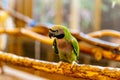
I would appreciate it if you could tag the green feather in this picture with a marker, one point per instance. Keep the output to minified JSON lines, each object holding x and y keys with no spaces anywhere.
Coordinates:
{"x":75,"y":46}
{"x":73,"y":40}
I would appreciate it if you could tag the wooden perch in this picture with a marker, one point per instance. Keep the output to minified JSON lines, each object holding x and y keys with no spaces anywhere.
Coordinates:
{"x":28,"y":33}
{"x":103,"y":33}
{"x":18,"y":15}
{"x":36,"y":36}
{"x":79,"y":71}
{"x":98,"y":52}
{"x":41,"y":29}
{"x":97,"y":42}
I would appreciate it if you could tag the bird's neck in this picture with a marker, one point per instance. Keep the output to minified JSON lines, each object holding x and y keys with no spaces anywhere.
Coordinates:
{"x":68,"y":37}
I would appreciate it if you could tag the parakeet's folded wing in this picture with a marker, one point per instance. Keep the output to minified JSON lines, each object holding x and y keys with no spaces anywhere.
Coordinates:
{"x":55,"y":46}
{"x":75,"y":46}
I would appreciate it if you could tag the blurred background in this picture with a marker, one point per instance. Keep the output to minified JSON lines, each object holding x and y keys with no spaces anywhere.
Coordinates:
{"x":78,"y":15}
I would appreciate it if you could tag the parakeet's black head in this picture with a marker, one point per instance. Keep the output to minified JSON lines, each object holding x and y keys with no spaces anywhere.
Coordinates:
{"x":58,"y":31}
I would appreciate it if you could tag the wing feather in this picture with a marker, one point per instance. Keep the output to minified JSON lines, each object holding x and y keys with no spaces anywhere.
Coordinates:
{"x":55,"y":46}
{"x":75,"y":46}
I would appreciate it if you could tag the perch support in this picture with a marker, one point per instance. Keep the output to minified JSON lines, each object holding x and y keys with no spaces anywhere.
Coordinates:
{"x":79,"y":71}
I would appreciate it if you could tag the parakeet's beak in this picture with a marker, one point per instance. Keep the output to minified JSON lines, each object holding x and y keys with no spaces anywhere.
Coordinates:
{"x":51,"y":33}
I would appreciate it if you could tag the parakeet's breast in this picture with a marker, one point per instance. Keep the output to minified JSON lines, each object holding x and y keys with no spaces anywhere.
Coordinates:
{"x":66,"y":52}
{"x":64,"y":46}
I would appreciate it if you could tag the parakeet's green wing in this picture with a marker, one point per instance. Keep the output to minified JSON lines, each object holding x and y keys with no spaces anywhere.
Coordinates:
{"x":75,"y":46}
{"x":55,"y":46}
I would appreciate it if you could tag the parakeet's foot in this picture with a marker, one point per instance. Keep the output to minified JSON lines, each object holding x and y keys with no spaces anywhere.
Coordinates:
{"x":73,"y":64}
{"x":59,"y":64}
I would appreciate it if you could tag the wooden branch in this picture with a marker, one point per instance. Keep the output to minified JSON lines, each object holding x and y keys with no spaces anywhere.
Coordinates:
{"x":103,"y":33}
{"x":41,"y":29}
{"x":17,"y":15}
{"x":97,"y":42}
{"x":28,"y":33}
{"x":10,"y":74}
{"x":36,"y":36}
{"x":98,"y":52}
{"x":79,"y":71}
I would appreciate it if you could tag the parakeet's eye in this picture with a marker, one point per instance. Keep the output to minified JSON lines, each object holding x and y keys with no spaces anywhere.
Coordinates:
{"x":52,"y":30}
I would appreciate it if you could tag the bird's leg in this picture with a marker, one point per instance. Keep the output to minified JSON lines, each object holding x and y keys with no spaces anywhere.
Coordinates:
{"x":73,"y":63}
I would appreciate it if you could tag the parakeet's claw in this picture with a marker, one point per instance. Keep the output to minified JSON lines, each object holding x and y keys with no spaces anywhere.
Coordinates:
{"x":73,"y":64}
{"x":59,"y":64}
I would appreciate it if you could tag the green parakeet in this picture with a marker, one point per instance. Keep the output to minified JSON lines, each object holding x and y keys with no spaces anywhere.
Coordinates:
{"x":65,"y":45}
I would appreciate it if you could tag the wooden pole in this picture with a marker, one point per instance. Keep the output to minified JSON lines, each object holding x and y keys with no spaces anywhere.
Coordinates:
{"x":74,"y":15}
{"x":58,"y":10}
{"x":97,"y":15}
{"x":28,"y":8}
